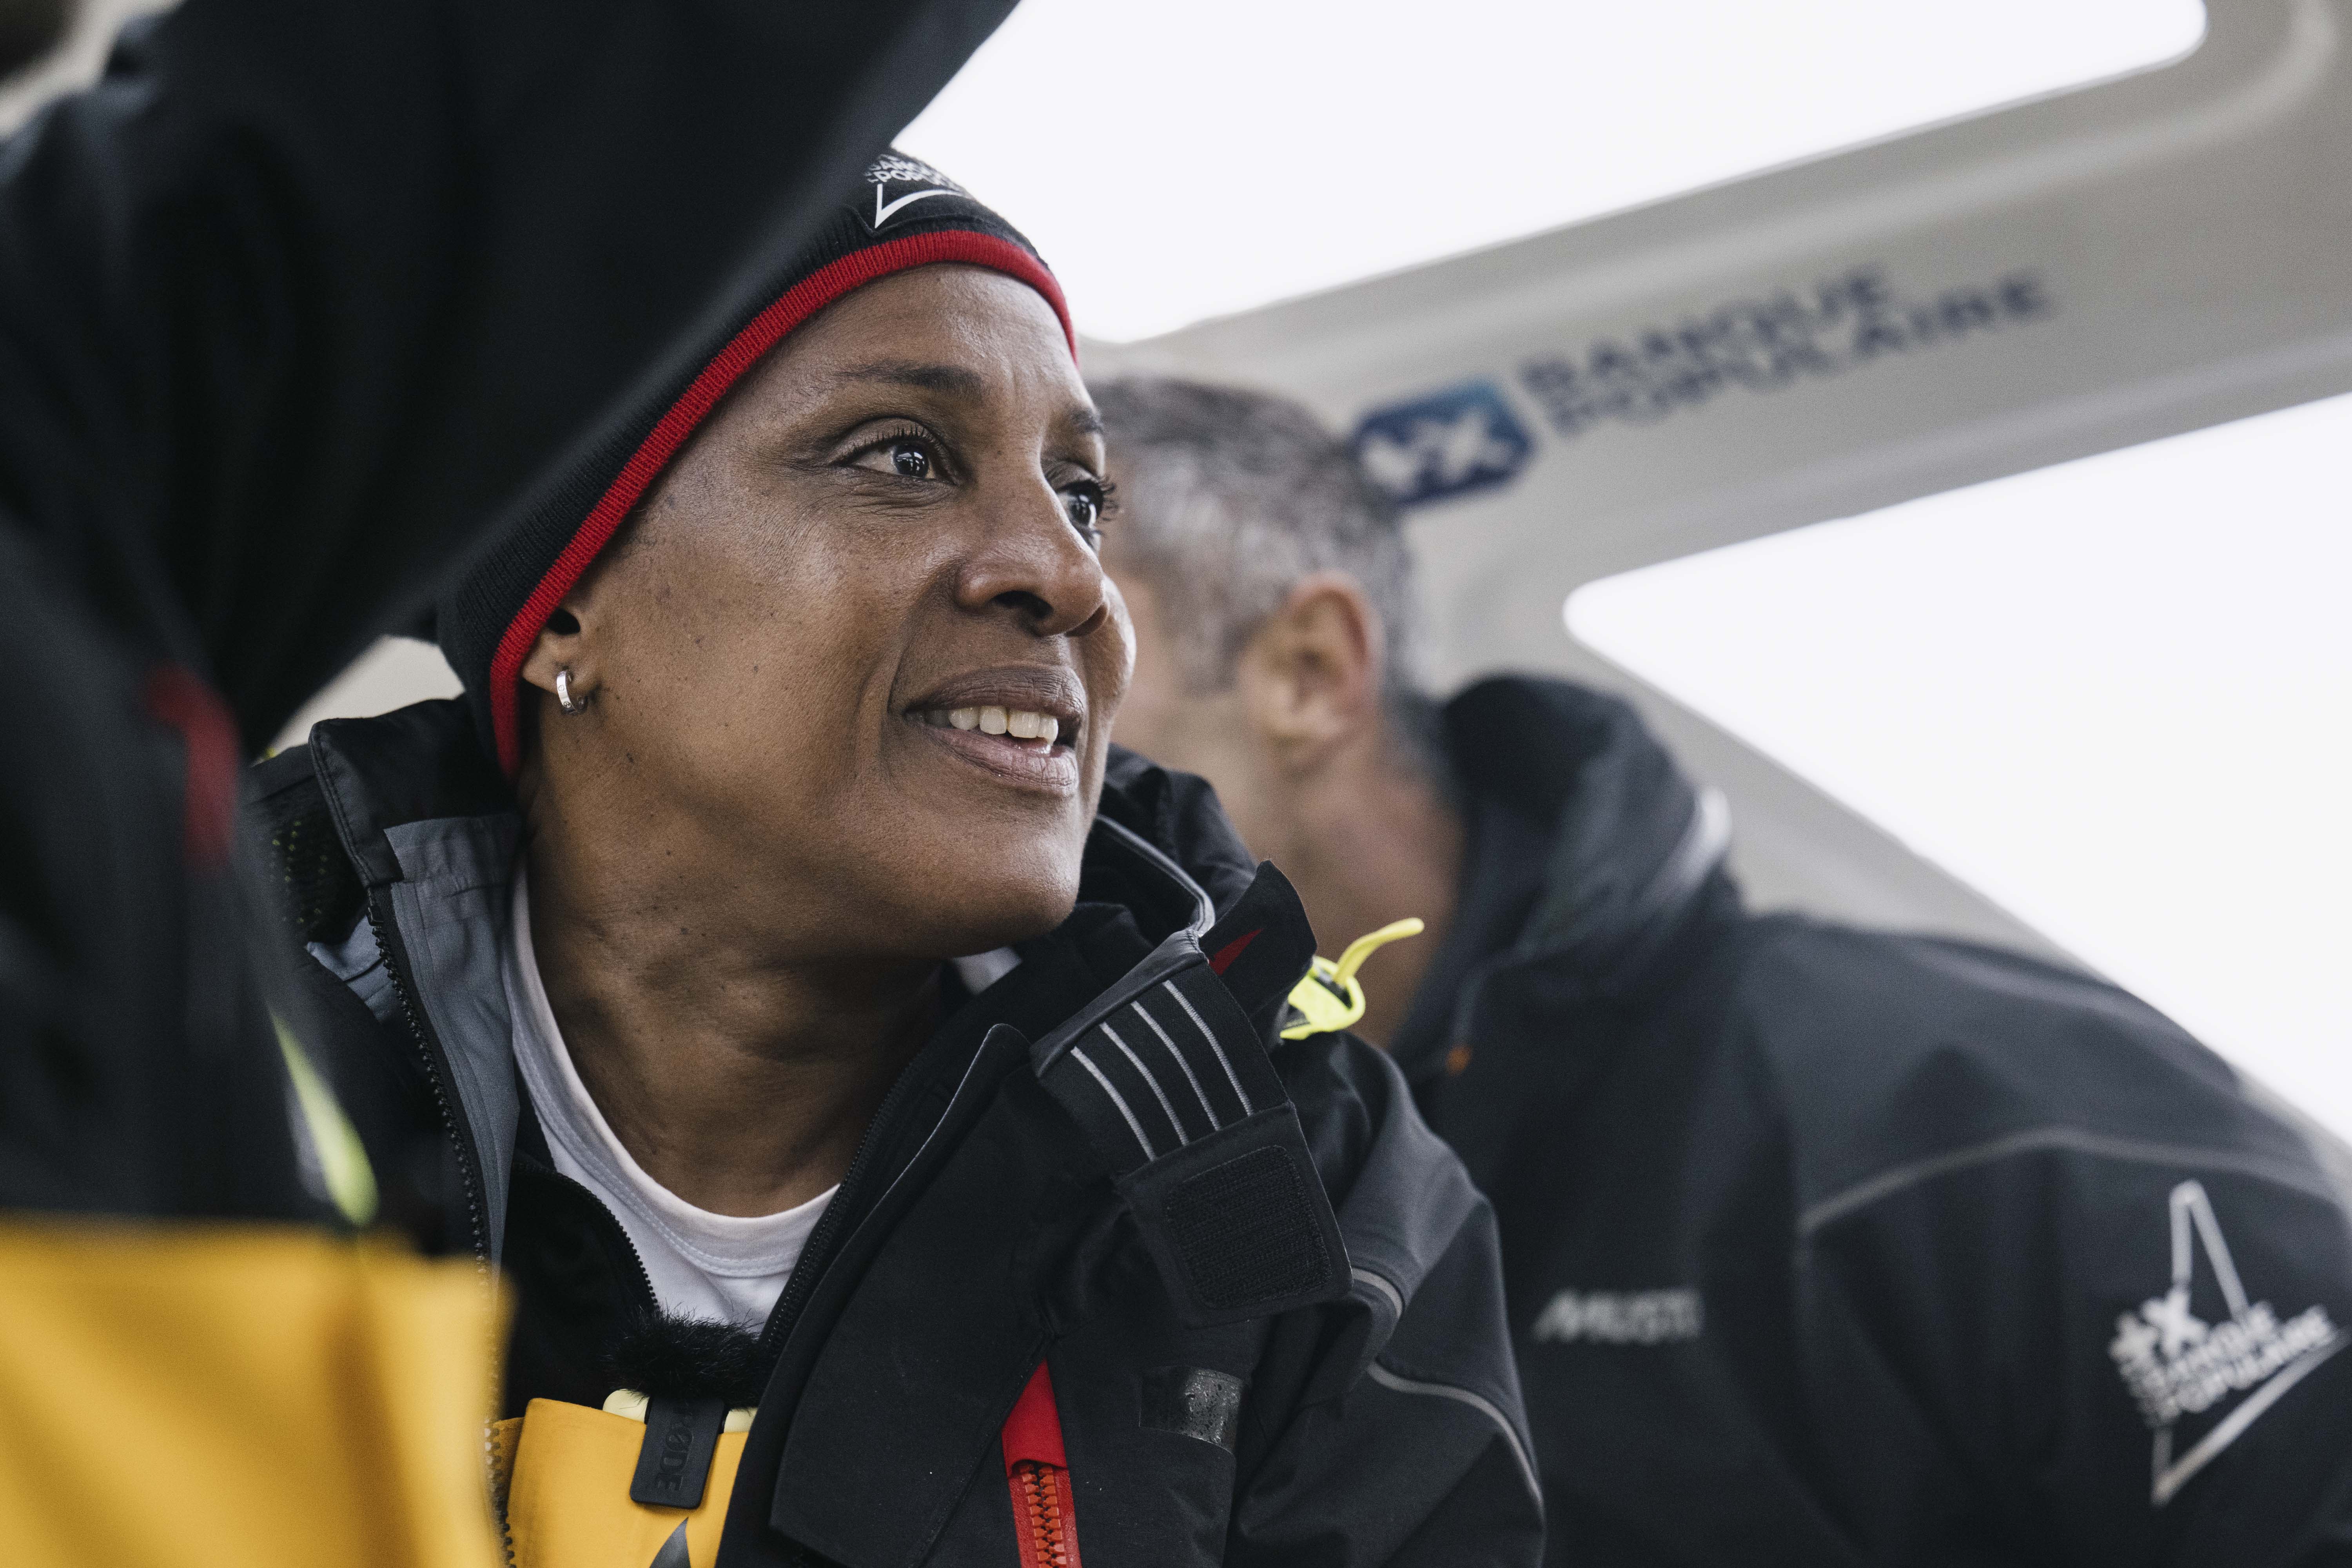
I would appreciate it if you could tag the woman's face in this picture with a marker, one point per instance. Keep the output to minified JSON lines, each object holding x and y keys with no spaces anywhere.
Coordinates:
{"x":857,"y":660}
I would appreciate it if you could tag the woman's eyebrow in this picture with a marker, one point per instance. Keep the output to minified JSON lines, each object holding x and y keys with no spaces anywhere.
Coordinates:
{"x":949,"y":378}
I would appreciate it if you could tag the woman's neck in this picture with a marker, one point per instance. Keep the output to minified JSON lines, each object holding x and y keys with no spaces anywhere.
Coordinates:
{"x":737,"y":1076}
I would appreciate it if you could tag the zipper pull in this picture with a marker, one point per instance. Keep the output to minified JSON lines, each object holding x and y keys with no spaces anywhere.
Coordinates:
{"x":1037,"y":1469}
{"x":1328,"y":999}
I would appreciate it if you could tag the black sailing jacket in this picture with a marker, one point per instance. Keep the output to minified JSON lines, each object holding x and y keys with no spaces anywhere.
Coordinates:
{"x":1107,"y":1159}
{"x":302,"y":300}
{"x":1832,"y":1247}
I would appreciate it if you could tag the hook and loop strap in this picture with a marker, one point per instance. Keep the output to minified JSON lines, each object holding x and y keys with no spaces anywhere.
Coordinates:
{"x":1174,"y":1090}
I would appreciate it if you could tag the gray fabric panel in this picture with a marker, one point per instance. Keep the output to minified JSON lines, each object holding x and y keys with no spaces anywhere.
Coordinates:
{"x":358,"y":962}
{"x":452,"y":905}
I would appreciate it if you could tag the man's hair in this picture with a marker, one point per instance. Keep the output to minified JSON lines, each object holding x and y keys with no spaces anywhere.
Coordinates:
{"x":1227,"y":498}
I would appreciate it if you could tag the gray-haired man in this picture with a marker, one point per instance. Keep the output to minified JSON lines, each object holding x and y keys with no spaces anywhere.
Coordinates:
{"x":1823,"y":1245}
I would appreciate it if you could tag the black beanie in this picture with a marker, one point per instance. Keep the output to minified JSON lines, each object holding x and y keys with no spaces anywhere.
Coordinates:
{"x":903,"y":213}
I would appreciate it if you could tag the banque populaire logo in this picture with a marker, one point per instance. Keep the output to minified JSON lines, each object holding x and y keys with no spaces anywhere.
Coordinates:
{"x":1767,"y":343}
{"x":1466,"y":438}
{"x":1447,"y":444}
{"x":2200,"y":1382}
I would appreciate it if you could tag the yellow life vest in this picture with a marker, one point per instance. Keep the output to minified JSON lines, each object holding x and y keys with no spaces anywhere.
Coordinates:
{"x":566,"y":1479}
{"x":262,"y":1397}
{"x":563,"y":1475}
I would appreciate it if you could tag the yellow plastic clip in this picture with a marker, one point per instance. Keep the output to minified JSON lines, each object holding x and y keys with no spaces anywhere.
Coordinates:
{"x":1330,"y":999}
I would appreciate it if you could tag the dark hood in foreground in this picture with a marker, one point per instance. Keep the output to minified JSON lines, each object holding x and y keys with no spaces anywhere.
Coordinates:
{"x":305,"y":299}
{"x":308,"y":296}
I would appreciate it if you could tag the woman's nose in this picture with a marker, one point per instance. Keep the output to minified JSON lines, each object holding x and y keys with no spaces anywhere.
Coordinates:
{"x":1032,"y":562}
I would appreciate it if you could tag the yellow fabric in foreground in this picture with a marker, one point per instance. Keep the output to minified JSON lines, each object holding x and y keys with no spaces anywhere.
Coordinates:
{"x":567,"y":1501}
{"x":257,"y":1395}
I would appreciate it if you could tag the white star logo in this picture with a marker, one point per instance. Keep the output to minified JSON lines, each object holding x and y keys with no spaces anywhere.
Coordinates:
{"x":2175,"y":1325}
{"x":2174,"y":1363}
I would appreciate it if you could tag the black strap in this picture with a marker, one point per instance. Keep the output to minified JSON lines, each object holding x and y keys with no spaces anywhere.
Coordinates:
{"x":1176,"y":1095}
{"x":674,"y":1462}
{"x":1173,"y":1064}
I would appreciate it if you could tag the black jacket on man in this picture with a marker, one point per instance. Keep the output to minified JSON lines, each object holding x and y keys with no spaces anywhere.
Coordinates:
{"x":1832,"y":1247}
{"x":1247,"y":1371}
{"x":302,"y":300}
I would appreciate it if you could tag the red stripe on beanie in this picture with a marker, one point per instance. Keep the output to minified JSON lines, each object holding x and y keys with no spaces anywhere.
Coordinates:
{"x":801,"y":301}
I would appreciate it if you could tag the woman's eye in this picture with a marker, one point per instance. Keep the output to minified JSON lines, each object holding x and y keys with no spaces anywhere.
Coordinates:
{"x":910,"y":456}
{"x":1084,"y":505}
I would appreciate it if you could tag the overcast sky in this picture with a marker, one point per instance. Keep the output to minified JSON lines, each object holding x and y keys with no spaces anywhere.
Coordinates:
{"x":2116,"y":695}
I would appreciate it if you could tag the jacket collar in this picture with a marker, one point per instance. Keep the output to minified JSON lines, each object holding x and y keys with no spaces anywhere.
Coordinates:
{"x":1590,"y":853}
{"x":420,"y":763}
{"x":430,"y":830}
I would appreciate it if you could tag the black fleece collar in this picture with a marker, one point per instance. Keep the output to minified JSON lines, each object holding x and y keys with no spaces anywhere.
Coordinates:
{"x":1588,"y":851}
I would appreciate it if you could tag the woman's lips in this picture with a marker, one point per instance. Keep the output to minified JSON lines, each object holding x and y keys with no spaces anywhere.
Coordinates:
{"x":1041,"y":765}
{"x":1021,"y":723}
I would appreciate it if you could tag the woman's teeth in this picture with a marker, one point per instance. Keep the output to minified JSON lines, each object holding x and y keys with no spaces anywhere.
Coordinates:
{"x":1018,"y":722}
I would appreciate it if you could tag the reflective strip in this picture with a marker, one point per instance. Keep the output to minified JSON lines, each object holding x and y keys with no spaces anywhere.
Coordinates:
{"x":2072,"y":1139}
{"x":1366,"y":1277}
{"x":1198,"y":1093}
{"x":1157,"y":1092}
{"x":1479,"y":1403}
{"x":1132,"y":1124}
{"x":1211,"y":1036}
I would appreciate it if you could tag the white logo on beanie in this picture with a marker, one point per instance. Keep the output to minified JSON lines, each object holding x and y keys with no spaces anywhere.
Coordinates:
{"x":898,"y":169}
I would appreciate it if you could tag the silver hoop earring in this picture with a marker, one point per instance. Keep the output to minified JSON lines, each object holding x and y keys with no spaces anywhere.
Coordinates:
{"x":563,"y":698}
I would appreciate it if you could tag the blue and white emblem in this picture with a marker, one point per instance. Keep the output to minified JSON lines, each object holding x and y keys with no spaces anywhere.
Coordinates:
{"x":1450,"y":443}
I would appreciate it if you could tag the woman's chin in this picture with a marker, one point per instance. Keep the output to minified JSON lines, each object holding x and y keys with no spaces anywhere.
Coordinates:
{"x":982,"y":913}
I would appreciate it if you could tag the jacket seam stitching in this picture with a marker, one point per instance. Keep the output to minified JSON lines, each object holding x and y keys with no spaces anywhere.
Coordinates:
{"x":1872,"y":1190}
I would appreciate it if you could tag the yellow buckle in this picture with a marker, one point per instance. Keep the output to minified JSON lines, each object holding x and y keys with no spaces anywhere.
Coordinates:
{"x":1329,"y":998}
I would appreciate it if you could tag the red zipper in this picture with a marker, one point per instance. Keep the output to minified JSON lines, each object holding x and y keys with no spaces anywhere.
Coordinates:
{"x":1045,"y":1514}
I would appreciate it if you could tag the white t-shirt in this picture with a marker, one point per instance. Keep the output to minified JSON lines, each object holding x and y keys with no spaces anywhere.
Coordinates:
{"x":729,"y":1267}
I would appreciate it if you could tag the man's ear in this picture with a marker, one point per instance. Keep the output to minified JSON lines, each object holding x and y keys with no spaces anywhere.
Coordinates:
{"x":1310,"y":677}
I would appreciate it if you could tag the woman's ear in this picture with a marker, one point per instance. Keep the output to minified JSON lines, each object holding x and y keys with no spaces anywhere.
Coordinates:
{"x":1310,"y":677}
{"x":563,"y":645}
